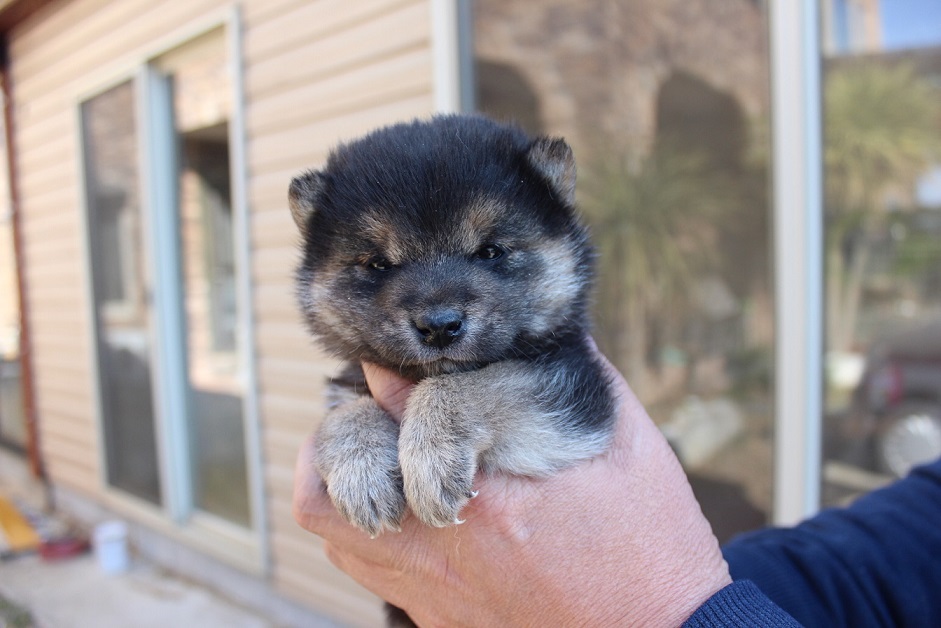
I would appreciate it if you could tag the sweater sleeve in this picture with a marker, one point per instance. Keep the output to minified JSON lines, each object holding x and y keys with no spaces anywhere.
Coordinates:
{"x":872,"y":563}
{"x":740,"y":605}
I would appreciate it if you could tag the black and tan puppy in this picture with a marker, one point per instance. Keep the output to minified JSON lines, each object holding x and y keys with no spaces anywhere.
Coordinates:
{"x":449,"y":251}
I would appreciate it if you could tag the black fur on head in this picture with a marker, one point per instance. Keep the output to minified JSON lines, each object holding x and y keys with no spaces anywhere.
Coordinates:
{"x":442,"y":245}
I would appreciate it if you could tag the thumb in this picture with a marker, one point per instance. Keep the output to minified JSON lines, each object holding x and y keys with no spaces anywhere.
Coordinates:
{"x":388,"y":389}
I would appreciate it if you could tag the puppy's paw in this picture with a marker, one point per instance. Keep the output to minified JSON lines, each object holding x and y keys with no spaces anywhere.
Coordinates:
{"x":369,"y":497}
{"x":358,"y":460}
{"x":438,"y":470}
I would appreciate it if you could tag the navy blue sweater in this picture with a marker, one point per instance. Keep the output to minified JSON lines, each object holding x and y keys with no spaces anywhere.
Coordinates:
{"x":874,"y":563}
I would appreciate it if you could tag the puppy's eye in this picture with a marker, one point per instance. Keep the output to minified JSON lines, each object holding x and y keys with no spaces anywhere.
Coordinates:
{"x":378,"y":263}
{"x":489,"y":251}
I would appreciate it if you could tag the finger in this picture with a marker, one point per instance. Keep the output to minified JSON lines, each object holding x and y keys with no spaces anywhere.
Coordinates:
{"x":311,"y":504}
{"x":388,"y":389}
{"x":628,"y":404}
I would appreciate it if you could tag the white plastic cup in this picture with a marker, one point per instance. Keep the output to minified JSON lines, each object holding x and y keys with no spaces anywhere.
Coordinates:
{"x":110,"y":540}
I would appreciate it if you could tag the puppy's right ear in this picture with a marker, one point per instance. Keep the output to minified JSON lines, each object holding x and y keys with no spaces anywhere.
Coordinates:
{"x":303,"y":196}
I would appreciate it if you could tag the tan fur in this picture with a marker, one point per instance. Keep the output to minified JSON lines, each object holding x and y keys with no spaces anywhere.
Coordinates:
{"x":394,"y":244}
{"x":480,"y":219}
{"x":558,"y":287}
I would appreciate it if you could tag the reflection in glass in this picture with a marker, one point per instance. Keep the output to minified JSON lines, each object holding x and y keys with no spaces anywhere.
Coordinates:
{"x":121,"y":307}
{"x":220,"y":483}
{"x":215,"y":418}
{"x":665,"y":105}
{"x":882,"y":147}
{"x":12,"y":412}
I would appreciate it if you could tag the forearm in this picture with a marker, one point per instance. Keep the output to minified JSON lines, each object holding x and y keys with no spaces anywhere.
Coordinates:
{"x":873,"y":563}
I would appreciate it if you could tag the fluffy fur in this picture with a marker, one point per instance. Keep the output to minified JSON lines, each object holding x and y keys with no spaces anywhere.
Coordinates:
{"x":450,"y":251}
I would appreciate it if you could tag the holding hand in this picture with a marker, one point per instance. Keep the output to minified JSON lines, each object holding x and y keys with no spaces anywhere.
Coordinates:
{"x":617,"y":540}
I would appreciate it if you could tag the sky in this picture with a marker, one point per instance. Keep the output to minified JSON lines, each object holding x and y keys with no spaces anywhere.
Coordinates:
{"x":911,"y":23}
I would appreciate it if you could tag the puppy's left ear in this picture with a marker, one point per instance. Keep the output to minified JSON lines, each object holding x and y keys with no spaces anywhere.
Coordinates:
{"x":553,"y":159}
{"x":303,"y":196}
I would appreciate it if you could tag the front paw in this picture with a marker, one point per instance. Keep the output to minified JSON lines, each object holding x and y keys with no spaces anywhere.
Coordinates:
{"x":438,"y":471}
{"x":369,"y":497}
{"x":358,"y":460}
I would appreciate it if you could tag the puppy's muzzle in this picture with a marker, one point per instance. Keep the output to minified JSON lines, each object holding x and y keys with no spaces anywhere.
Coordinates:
{"x":440,"y":327}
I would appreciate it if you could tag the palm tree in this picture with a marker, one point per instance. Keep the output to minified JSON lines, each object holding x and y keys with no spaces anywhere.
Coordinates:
{"x":653,"y":224}
{"x":880,"y":132}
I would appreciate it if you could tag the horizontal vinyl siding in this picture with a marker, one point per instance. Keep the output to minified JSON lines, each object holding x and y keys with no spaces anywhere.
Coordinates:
{"x":316,"y":73}
{"x":118,"y":32}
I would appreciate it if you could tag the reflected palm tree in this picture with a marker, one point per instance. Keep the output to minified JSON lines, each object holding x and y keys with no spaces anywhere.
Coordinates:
{"x":881,"y":134}
{"x":654,"y":224}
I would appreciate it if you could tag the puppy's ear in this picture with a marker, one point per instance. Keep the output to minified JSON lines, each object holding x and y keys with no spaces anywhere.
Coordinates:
{"x":553,"y":159}
{"x":303,"y":196}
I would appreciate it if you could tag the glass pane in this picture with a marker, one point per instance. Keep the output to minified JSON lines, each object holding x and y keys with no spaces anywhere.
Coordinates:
{"x":120,"y":291}
{"x":218,"y":445}
{"x":216,"y":423}
{"x":12,"y":414}
{"x":882,"y":147}
{"x":666,"y":108}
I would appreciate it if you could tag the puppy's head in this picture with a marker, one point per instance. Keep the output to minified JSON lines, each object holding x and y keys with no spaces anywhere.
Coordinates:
{"x":442,"y":245}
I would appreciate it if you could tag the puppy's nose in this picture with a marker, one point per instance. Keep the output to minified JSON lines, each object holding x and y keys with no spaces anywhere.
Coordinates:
{"x":440,"y":327}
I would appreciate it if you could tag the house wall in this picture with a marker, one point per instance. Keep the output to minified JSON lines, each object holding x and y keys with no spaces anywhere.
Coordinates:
{"x":314,"y":72}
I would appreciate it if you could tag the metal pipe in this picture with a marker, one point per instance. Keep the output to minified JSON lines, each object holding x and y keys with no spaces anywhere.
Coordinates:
{"x":26,"y":356}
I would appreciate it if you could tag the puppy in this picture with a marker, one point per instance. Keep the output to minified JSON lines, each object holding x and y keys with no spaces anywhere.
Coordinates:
{"x":449,"y":251}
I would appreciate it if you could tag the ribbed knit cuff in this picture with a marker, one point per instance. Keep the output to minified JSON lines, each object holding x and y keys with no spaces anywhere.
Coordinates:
{"x":740,"y":604}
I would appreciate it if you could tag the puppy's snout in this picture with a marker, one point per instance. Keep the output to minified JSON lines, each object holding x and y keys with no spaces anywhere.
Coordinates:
{"x":440,"y":327}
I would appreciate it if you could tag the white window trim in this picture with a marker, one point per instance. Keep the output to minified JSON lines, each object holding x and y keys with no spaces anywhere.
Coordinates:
{"x":453,"y":55}
{"x":798,"y":256}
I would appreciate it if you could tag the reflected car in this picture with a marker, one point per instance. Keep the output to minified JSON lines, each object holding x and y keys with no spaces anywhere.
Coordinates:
{"x":896,"y":409}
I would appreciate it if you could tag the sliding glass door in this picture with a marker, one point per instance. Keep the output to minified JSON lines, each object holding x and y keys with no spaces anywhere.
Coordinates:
{"x":165,"y":281}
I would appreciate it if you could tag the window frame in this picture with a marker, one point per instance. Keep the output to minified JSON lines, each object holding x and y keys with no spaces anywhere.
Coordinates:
{"x":797,"y":180}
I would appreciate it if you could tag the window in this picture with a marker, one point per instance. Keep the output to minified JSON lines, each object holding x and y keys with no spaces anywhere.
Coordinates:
{"x":882,"y":212}
{"x":666,"y":107}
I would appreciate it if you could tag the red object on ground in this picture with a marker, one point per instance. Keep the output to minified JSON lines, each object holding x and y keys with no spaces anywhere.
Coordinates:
{"x":59,"y":549}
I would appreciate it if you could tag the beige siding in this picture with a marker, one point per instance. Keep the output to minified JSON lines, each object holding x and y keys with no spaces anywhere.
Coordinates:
{"x":325,"y":71}
{"x":315,"y":72}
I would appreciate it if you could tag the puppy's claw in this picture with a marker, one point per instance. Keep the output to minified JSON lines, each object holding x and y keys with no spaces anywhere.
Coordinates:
{"x":472,"y":494}
{"x":458,"y":522}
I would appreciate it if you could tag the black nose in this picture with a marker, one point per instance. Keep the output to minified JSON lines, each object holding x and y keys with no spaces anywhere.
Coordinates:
{"x":440,"y":327}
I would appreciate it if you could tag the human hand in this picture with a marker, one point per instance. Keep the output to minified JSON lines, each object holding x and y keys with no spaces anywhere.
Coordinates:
{"x":618,"y":540}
